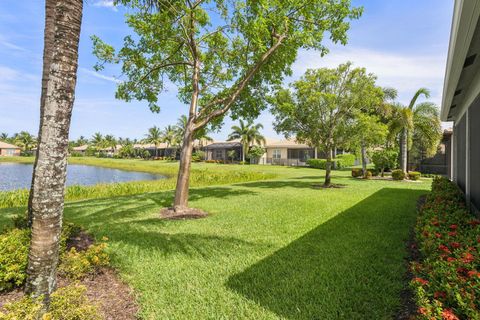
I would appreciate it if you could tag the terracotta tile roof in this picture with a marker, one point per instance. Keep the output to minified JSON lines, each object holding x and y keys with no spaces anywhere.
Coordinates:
{"x":4,"y":145}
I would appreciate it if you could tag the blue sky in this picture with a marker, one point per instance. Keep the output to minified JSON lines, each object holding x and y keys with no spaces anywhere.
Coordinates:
{"x":404,"y":42}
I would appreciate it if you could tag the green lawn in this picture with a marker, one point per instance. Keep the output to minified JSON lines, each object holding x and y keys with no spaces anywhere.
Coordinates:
{"x":273,"y":249}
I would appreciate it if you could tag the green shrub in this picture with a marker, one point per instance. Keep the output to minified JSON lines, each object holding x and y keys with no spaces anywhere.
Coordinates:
{"x":414,"y":175}
{"x":446,"y":281}
{"x":384,"y":159}
{"x":77,"y":264}
{"x":398,"y":175}
{"x":317,"y":163}
{"x":368,"y":174}
{"x":357,"y":172}
{"x":345,"y":160}
{"x":198,"y":156}
{"x":13,"y":258}
{"x":67,"y":303}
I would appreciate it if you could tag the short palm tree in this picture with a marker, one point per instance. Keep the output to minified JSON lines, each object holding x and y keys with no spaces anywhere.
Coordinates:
{"x":4,"y":136}
{"x":25,"y":140}
{"x":248,"y":134}
{"x":415,"y":120}
{"x":169,"y":135}
{"x":98,"y":141}
{"x":110,"y":142}
{"x":154,"y":136}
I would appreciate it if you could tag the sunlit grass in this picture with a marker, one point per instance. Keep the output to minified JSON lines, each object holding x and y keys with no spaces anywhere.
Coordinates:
{"x":273,"y":249}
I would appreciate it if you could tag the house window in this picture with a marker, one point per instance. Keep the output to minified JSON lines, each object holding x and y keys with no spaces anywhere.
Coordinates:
{"x":10,"y":152}
{"x":219,"y":154}
{"x":277,"y":154}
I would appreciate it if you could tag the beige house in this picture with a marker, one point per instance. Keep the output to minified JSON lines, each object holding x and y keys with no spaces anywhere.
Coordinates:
{"x":287,"y":152}
{"x":9,"y":150}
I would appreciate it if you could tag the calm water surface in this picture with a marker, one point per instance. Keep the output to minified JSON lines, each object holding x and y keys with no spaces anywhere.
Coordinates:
{"x":18,"y":176}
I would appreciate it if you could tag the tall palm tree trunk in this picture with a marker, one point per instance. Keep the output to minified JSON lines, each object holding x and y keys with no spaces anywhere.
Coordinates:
{"x":403,"y":150}
{"x":49,"y":188}
{"x":48,"y":37}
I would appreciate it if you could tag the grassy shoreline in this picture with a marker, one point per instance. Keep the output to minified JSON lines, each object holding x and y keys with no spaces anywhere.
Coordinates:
{"x":202,"y":174}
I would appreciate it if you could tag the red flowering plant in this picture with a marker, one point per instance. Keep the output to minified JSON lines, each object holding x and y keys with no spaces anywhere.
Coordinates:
{"x":446,"y":280}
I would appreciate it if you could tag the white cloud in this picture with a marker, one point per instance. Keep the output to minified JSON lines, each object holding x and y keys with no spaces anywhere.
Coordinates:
{"x":99,"y":75}
{"x":405,"y":72}
{"x":106,"y":4}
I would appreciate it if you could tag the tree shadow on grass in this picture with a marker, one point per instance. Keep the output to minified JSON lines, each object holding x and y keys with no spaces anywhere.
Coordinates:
{"x":128,"y":221}
{"x":350,"y":267}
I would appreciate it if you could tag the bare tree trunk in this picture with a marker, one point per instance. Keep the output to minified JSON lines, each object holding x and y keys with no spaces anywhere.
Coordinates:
{"x":182,"y":190}
{"x":49,"y":188}
{"x":49,"y":33}
{"x":328,"y":172}
{"x":403,"y":146}
{"x":244,"y":150}
{"x":364,"y":159}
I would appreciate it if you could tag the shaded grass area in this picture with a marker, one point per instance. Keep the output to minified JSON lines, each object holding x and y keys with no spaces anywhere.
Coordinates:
{"x":276,"y":249}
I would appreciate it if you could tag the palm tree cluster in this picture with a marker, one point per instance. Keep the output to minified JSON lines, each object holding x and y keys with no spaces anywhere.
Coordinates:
{"x":23,"y":139}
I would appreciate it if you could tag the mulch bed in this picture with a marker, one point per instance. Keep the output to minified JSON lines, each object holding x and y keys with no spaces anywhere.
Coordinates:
{"x":114,"y":298}
{"x":408,"y":308}
{"x":189,"y":213}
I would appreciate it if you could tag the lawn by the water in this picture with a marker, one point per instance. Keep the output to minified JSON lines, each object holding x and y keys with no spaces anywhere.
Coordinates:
{"x":273,"y":249}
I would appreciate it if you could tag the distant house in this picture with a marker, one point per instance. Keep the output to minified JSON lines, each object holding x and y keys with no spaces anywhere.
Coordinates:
{"x":80,"y":149}
{"x":9,"y":150}
{"x":163,"y":149}
{"x":287,"y":153}
{"x":219,"y":150}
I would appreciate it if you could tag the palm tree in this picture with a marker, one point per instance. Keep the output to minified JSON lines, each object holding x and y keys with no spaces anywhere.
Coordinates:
{"x":98,"y":141}
{"x":4,"y":136}
{"x":169,"y":135}
{"x":110,"y":142}
{"x":202,"y":136}
{"x":25,"y":140}
{"x":48,"y":190}
{"x":81,"y":141}
{"x":154,"y":136}
{"x":422,"y":120}
{"x":248,"y":135}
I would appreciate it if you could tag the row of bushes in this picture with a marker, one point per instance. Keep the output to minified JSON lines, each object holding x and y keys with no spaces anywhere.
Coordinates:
{"x":446,"y":281}
{"x":396,"y":174}
{"x":342,"y":161}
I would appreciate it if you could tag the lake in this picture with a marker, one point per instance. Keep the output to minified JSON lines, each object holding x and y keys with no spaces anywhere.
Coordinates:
{"x":18,"y":176}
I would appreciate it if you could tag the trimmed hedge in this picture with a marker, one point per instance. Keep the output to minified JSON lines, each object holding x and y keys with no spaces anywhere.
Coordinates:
{"x":446,"y":281}
{"x":342,"y":161}
{"x":414,"y":175}
{"x":398,"y":175}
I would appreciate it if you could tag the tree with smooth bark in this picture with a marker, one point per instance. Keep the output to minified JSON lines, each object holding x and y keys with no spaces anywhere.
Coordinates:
{"x":223,"y":56}
{"x":48,"y":190}
{"x":316,"y":108}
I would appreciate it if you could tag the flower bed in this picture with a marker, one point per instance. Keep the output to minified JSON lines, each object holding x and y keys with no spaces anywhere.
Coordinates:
{"x":446,"y":281}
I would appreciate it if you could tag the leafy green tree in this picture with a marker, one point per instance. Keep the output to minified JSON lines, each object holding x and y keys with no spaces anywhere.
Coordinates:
{"x":420,"y":119}
{"x":385,"y":159}
{"x":255,"y":153}
{"x":154,"y":136}
{"x":367,"y":132}
{"x":316,"y":108}
{"x":248,"y":134}
{"x":81,"y":141}
{"x":4,"y":137}
{"x":222,"y":55}
{"x":231,"y":154}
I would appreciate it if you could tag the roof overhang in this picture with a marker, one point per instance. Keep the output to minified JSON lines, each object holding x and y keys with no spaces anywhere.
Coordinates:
{"x":462,"y":77}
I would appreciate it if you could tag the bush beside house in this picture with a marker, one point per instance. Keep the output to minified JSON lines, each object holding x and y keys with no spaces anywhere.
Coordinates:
{"x":446,"y":281}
